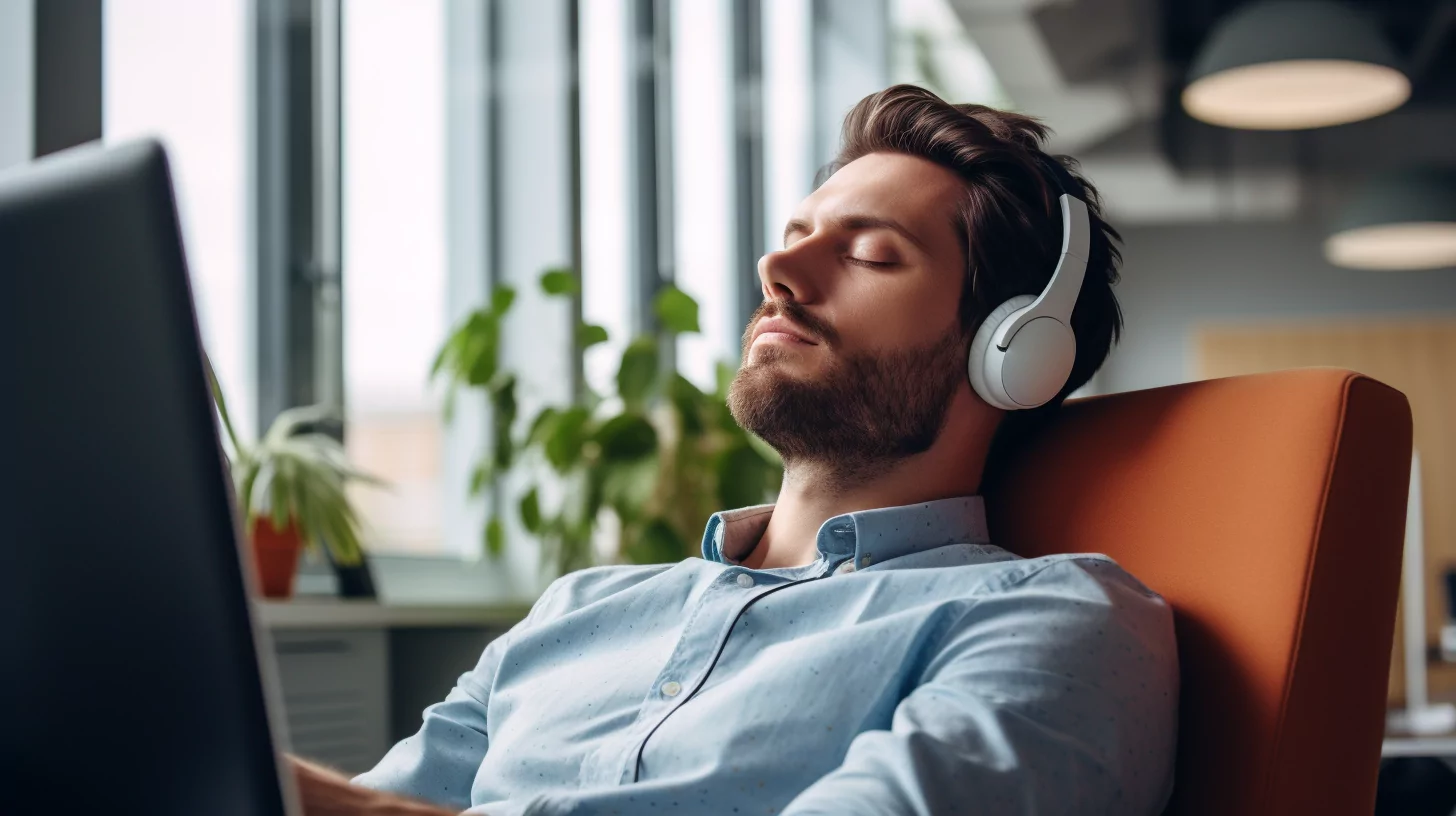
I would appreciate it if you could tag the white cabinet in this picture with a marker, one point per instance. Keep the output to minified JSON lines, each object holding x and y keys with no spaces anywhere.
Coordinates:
{"x":336,"y":695}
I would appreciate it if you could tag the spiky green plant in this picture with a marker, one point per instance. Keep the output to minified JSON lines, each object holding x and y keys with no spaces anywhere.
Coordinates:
{"x":298,"y":475}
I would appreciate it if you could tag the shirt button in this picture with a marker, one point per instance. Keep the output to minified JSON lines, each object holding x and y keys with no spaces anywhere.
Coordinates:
{"x":671,"y":688}
{"x":745,"y":580}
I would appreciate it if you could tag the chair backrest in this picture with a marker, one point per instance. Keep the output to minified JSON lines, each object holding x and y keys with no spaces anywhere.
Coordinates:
{"x":1269,"y":510}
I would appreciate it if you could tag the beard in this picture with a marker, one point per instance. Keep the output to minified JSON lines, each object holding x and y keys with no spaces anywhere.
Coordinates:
{"x":865,"y":412}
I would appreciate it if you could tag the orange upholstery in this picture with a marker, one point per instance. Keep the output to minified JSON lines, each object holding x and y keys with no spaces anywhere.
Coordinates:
{"x":1269,"y":510}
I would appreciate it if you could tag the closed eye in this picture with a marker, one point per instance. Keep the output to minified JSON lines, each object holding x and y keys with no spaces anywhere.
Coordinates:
{"x":871,"y":264}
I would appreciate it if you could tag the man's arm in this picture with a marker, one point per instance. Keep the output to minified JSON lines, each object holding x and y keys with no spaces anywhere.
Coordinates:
{"x":440,"y":761}
{"x":323,"y":792}
{"x":1059,"y":697}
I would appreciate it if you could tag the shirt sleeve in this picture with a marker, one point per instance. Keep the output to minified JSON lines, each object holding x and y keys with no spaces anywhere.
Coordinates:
{"x":439,"y":762}
{"x":1058,"y":696}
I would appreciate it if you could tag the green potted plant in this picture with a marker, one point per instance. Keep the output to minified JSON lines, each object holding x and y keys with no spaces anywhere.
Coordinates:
{"x":291,"y":491}
{"x":662,"y":456}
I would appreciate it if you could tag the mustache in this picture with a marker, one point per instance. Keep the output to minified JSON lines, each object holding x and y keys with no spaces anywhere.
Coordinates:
{"x":794,"y":312}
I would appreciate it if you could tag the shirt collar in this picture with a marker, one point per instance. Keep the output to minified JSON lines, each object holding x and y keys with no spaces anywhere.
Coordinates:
{"x":869,"y":536}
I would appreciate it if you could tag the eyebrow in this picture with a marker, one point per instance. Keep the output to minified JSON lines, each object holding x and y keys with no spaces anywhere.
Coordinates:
{"x":854,"y":223}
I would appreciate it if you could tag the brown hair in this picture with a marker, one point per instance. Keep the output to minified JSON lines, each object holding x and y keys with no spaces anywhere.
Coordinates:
{"x":1009,"y":218}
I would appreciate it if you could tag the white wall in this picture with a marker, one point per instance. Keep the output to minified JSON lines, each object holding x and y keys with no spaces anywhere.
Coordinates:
{"x":17,"y":81}
{"x":1176,"y":277}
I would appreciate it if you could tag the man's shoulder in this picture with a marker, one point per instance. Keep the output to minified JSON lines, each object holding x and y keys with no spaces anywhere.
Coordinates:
{"x":611,"y":578}
{"x":1080,"y":614}
{"x":584,"y":587}
{"x":1091,"y":575}
{"x":1088,"y":591}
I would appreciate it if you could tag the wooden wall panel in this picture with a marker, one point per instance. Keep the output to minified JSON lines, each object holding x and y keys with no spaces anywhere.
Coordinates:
{"x":1419,"y":358}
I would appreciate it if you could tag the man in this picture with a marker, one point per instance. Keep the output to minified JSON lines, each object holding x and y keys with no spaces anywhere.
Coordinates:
{"x":860,"y":647}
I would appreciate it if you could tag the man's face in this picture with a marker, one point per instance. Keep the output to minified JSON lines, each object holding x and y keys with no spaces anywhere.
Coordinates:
{"x":857,"y":350}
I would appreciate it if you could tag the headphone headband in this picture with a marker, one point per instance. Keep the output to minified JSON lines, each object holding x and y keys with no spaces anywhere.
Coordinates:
{"x":1024,"y":352}
{"x":1060,"y":295}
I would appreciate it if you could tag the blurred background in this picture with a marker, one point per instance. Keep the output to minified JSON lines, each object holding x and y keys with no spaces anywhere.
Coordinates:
{"x":357,"y":177}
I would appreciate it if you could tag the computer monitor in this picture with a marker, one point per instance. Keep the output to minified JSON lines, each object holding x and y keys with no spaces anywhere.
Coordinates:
{"x":129,"y":661}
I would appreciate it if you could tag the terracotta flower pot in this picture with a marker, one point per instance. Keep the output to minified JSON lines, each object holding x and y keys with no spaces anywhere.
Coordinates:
{"x":275,"y":556}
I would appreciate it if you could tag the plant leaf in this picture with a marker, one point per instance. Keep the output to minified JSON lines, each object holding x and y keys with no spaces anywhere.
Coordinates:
{"x":480,"y":351}
{"x":686,"y":398}
{"x":626,"y":437}
{"x":658,"y":543}
{"x":444,"y":355}
{"x":221,"y":404}
{"x":559,"y":281}
{"x":627,"y":487}
{"x":742,"y":477}
{"x":590,"y":334}
{"x":279,"y":504}
{"x":245,"y":474}
{"x":531,"y":512}
{"x":503,"y":418}
{"x":288,"y":422}
{"x":322,"y":456}
{"x":480,"y":477}
{"x":501,"y":299}
{"x":495,"y":537}
{"x":676,"y":310}
{"x":541,"y":426}
{"x":331,"y":520}
{"x":449,"y":354}
{"x":638,"y":371}
{"x":563,"y":439}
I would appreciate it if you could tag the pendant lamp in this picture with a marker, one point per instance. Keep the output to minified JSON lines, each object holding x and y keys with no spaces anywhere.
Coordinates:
{"x":1404,"y":220}
{"x":1294,"y":64}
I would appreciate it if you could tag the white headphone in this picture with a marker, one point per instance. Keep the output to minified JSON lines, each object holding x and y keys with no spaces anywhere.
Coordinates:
{"x":1024,"y":350}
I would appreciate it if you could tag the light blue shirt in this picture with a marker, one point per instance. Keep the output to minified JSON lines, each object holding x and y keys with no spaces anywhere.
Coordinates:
{"x":913,"y":668}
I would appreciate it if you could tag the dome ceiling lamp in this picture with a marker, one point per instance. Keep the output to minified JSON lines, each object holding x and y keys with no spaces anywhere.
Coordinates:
{"x":1400,"y":221}
{"x":1293,"y":65}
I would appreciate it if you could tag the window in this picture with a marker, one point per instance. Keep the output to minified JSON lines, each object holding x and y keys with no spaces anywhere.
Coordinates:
{"x":425,"y":150}
{"x":176,"y":70}
{"x":703,"y":166}
{"x":482,"y":143}
{"x":606,"y":227}
{"x":395,"y":274}
{"x":788,"y":114}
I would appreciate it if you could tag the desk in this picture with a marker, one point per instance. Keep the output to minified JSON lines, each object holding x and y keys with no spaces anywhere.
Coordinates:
{"x":340,"y":613}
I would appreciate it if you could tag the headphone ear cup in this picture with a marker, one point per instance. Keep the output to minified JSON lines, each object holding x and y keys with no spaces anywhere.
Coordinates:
{"x":976,"y":363}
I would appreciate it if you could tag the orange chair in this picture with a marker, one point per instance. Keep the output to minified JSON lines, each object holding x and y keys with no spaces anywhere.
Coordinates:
{"x":1269,"y":511}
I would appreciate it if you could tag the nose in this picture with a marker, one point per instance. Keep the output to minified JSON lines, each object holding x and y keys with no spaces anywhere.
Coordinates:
{"x":788,"y":274}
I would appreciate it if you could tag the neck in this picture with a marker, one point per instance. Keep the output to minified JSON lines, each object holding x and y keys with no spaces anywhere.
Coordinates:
{"x":816,"y":491}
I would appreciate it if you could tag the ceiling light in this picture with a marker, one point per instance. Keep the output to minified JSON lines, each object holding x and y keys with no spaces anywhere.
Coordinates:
{"x":1405,"y":220}
{"x":1294,"y":64}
